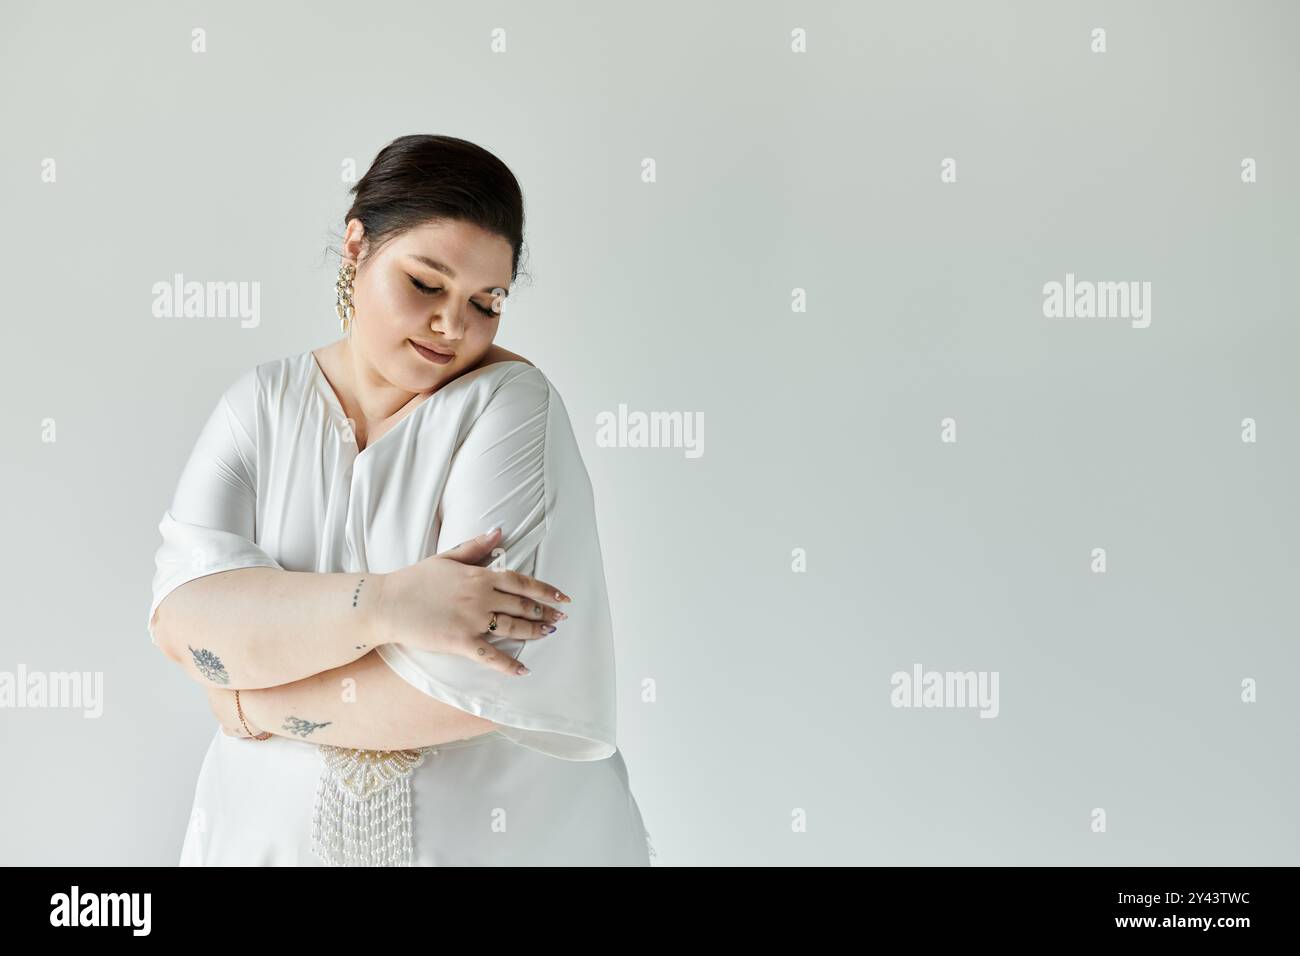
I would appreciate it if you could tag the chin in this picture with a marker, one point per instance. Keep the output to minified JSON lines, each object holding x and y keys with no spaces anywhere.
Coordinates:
{"x":425,"y":376}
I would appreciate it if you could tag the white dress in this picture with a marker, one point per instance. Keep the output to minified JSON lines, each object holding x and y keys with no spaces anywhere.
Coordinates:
{"x":275,"y":480}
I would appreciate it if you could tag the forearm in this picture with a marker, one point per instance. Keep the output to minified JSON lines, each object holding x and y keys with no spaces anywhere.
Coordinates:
{"x":363,"y":705}
{"x":264,"y":627}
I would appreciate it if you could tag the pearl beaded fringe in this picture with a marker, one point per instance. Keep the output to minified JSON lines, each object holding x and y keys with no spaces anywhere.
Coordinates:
{"x":362,"y":815}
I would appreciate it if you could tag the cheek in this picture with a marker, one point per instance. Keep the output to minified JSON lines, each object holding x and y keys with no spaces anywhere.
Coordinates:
{"x":392,"y":298}
{"x":483,"y":329}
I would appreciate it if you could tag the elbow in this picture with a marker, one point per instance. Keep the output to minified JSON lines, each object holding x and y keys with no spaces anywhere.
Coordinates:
{"x":162,"y":635}
{"x":450,"y":723}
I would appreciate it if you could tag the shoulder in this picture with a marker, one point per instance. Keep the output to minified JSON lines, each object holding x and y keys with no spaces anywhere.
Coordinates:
{"x":513,"y":389}
{"x":503,"y":374}
{"x":274,"y":378}
{"x":248,"y":391}
{"x":506,"y":403}
{"x":240,"y":395}
{"x":498,"y":354}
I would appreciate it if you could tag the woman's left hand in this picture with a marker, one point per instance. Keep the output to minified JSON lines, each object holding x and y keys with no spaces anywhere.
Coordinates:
{"x":222,"y":702}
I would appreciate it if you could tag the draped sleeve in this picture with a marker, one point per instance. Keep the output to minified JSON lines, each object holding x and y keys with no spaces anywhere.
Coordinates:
{"x":518,"y":466}
{"x":211,"y":523}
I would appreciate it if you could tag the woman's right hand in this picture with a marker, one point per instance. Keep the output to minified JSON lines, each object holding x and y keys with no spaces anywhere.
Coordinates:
{"x":445,"y":602}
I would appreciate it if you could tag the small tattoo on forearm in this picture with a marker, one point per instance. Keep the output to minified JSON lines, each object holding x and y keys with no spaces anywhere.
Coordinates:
{"x":209,"y":665}
{"x":296,"y":725}
{"x":355,"y":595}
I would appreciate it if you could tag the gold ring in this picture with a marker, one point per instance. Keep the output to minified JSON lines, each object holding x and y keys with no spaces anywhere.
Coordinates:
{"x":493,"y":625}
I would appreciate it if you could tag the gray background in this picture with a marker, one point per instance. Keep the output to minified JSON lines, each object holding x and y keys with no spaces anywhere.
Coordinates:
{"x":776,"y":171}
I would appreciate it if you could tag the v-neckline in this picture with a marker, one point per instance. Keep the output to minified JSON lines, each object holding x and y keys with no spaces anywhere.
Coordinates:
{"x":332,"y":398}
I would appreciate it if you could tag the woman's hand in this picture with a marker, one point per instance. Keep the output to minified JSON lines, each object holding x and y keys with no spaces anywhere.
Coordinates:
{"x":222,"y":702}
{"x":445,"y":603}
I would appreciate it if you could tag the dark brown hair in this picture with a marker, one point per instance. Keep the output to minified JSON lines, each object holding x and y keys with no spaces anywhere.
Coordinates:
{"x":424,"y":178}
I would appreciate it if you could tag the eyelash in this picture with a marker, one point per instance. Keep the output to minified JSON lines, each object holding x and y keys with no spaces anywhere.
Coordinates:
{"x":428,"y":291}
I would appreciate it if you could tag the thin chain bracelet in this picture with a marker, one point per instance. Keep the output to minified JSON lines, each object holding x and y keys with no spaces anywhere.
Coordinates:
{"x":240,"y":710}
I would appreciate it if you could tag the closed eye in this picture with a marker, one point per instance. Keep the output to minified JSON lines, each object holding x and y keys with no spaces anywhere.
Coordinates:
{"x":426,"y":290}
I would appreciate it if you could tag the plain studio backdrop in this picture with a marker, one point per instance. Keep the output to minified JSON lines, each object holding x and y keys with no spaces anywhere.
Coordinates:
{"x":745,"y":213}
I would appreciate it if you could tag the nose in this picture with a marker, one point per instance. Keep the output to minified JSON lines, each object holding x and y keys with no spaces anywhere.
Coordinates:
{"x":452,"y":326}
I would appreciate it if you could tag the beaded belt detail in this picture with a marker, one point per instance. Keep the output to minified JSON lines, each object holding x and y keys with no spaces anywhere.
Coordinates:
{"x":363,"y":806}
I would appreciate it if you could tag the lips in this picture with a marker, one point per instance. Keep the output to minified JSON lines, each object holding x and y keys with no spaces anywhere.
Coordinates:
{"x":433,"y":355}
{"x":434,"y":348}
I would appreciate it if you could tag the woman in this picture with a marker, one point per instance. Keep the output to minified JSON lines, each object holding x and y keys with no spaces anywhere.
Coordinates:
{"x":395,"y":687}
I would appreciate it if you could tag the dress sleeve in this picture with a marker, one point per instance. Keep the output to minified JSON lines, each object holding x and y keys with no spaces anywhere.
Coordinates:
{"x":211,"y":524}
{"x":519,"y":466}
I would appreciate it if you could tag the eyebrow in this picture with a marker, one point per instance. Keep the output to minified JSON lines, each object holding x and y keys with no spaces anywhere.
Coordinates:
{"x":451,"y":273}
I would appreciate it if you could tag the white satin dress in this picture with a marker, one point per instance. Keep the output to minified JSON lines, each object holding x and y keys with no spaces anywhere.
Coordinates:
{"x":275,"y":480}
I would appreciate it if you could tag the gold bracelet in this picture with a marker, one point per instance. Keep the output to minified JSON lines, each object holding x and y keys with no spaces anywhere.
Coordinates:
{"x":240,"y":710}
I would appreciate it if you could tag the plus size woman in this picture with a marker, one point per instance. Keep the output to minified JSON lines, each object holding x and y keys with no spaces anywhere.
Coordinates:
{"x":381,"y":562}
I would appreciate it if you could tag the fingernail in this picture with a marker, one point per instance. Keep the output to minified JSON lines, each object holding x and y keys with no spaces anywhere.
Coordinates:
{"x":548,"y":628}
{"x":560,"y":616}
{"x":522,"y":671}
{"x":491,"y":531}
{"x":562,"y":597}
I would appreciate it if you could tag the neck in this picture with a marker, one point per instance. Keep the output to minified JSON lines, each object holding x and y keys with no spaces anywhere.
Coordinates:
{"x":373,"y":403}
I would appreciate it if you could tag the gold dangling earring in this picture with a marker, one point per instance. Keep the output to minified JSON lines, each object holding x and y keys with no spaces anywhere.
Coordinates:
{"x":343,"y":289}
